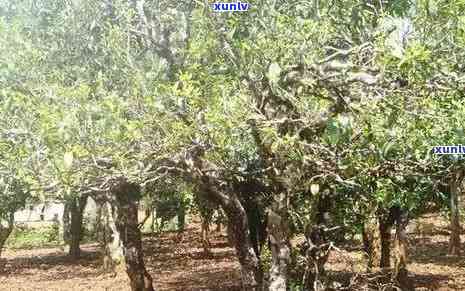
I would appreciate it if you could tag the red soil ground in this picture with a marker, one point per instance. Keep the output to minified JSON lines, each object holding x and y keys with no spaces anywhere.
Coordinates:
{"x":179,"y":264}
{"x":174,"y":263}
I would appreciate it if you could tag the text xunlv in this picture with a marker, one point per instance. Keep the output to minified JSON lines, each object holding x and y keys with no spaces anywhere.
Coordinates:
{"x":448,"y":150}
{"x":237,"y":6}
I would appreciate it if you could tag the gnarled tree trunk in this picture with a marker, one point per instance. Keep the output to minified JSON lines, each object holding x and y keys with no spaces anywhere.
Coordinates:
{"x":238,"y":234}
{"x":6,"y":231}
{"x":372,"y":243}
{"x":66,"y":223}
{"x":318,"y":244}
{"x":278,"y":230}
{"x":126,"y":196}
{"x":252,"y":276}
{"x":206,"y":209}
{"x":400,"y":273}
{"x":317,"y":254}
{"x":257,"y":220}
{"x":455,"y":229}
{"x":76,"y":208}
{"x":385,"y":240}
{"x":97,"y":224}
{"x":202,"y":173}
{"x":377,"y":239}
{"x":112,"y":246}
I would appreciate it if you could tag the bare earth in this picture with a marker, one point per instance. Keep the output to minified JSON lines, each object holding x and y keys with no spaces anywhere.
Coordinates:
{"x":430,"y":268}
{"x":178,"y":263}
{"x":175,"y":263}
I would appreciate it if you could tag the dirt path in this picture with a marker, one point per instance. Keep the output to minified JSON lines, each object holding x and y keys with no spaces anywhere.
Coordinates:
{"x":177,"y":264}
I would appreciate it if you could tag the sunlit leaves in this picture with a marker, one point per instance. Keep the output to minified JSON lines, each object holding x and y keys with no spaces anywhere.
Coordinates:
{"x":80,"y":85}
{"x":68,"y":159}
{"x":314,"y":189}
{"x":274,"y":72}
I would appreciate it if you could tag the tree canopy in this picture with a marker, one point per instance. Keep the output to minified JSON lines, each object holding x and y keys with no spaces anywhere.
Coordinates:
{"x":329,"y":109}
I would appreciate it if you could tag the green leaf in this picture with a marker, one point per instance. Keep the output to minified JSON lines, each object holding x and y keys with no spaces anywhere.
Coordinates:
{"x":387,"y":148}
{"x":230,"y":34}
{"x":274,"y":72}
{"x":68,"y":160}
{"x":314,"y":189}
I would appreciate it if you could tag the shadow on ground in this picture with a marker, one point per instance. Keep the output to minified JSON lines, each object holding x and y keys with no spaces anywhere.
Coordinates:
{"x":176,"y":262}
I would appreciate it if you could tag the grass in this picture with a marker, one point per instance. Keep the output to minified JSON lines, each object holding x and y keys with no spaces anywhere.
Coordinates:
{"x":51,"y":234}
{"x":24,"y":237}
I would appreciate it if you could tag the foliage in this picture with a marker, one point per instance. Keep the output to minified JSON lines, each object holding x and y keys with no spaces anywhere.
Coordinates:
{"x":24,"y":237}
{"x":340,"y":102}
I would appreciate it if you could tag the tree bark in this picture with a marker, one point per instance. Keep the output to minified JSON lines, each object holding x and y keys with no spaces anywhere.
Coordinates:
{"x":256,"y":218}
{"x":66,"y":223}
{"x":112,"y":245}
{"x":126,"y":196}
{"x":98,"y":223}
{"x":6,"y":231}
{"x":279,"y":244}
{"x":372,"y":243}
{"x":251,"y":272}
{"x":76,"y":207}
{"x":385,"y":240}
{"x":455,"y":229}
{"x":377,"y":239}
{"x":206,"y":209}
{"x":400,"y":274}
{"x":200,"y":173}
{"x":317,"y":252}
{"x":238,"y":235}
